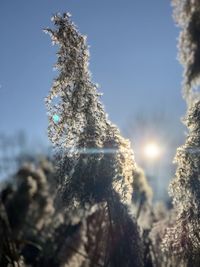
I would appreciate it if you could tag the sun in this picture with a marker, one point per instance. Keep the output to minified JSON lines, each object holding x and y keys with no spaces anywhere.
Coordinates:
{"x":152,"y":150}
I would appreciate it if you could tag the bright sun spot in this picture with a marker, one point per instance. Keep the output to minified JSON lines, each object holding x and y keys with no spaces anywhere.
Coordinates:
{"x":152,"y":150}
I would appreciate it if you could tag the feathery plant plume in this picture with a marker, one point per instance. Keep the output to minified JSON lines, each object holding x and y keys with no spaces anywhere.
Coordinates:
{"x":187,"y":15}
{"x":95,"y":163}
{"x":94,"y":158}
{"x":183,"y":238}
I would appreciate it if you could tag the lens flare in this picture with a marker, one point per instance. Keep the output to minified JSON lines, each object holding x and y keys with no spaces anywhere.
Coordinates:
{"x":56,"y":118}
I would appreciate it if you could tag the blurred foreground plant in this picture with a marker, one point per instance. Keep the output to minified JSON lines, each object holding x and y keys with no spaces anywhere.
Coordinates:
{"x":182,"y":237}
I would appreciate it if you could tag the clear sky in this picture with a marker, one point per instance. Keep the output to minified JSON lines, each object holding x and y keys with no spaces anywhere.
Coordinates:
{"x":133,"y":58}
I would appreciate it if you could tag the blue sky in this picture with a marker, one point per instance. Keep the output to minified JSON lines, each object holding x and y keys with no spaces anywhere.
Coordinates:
{"x":133,"y":58}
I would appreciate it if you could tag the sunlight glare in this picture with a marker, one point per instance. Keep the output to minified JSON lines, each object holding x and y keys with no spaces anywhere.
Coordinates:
{"x":152,"y":150}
